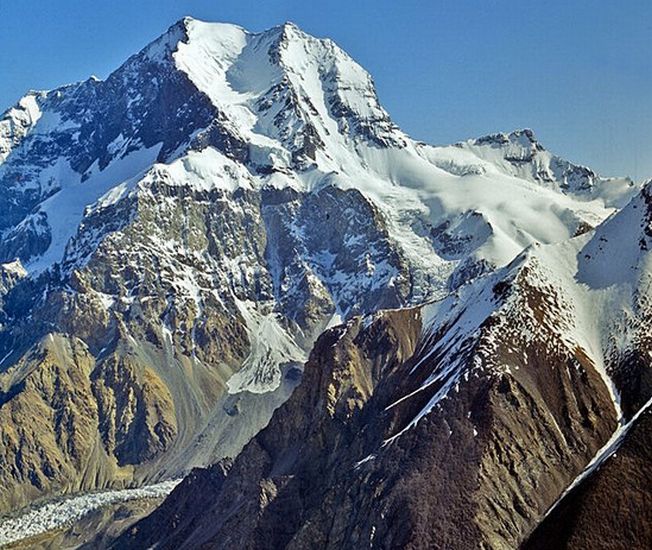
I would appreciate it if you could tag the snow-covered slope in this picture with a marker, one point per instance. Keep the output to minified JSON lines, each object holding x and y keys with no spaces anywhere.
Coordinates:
{"x":588,"y":296}
{"x":519,"y":154}
{"x":291,"y":111}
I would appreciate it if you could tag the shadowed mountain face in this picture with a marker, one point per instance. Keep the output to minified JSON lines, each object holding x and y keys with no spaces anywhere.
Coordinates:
{"x":612,"y":508}
{"x":179,"y":239}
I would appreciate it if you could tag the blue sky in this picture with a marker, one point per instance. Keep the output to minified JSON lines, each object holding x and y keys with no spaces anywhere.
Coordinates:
{"x":578,"y":72}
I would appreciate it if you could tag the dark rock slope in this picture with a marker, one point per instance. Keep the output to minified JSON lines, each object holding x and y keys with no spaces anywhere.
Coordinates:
{"x":479,"y":470}
{"x":611,"y":509}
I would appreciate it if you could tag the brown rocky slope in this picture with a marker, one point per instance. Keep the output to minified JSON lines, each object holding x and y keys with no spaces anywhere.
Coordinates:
{"x":612,"y":508}
{"x":334,"y":468}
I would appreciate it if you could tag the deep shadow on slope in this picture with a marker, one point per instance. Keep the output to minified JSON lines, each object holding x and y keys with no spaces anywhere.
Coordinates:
{"x":611,"y":509}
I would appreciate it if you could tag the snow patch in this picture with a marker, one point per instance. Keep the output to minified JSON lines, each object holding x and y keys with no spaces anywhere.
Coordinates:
{"x":65,"y":209}
{"x":15,"y":268}
{"x":271,"y":347}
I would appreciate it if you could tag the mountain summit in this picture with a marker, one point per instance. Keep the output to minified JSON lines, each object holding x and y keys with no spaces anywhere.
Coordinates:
{"x":226,"y":256}
{"x":291,"y":110}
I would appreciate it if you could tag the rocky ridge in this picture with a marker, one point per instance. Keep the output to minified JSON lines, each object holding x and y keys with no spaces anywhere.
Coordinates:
{"x":474,"y":414}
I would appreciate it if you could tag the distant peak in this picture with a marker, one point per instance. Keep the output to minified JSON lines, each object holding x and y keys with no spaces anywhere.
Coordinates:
{"x":186,"y":22}
{"x":524,"y":137}
{"x":527,"y":132}
{"x":286,"y":31}
{"x":524,"y":132}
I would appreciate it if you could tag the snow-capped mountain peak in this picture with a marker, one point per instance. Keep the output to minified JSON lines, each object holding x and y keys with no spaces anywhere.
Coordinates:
{"x":287,"y":93}
{"x":292,"y":111}
{"x":17,"y":122}
{"x":520,"y":154}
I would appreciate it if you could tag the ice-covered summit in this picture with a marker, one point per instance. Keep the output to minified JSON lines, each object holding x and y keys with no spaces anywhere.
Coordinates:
{"x":215,"y":106}
{"x":521,"y":154}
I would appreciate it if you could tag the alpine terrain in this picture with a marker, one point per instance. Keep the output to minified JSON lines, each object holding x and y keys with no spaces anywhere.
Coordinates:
{"x":228,"y":277}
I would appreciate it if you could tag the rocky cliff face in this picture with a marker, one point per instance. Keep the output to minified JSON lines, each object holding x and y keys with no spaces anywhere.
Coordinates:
{"x":176,"y":241}
{"x":337,"y":468}
{"x":231,"y":285}
{"x":474,"y":414}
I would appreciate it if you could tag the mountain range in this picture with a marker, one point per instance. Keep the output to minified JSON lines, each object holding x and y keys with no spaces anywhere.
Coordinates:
{"x":225,"y":263}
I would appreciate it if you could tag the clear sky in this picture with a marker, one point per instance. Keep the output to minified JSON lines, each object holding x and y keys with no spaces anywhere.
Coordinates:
{"x":579,"y":72}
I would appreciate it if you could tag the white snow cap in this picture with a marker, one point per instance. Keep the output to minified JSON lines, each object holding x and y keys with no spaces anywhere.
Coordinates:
{"x":307,"y":116}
